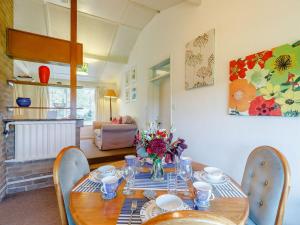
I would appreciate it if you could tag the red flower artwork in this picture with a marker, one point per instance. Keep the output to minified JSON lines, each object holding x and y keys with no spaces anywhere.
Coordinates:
{"x":237,"y":69}
{"x":261,"y":107}
{"x":258,"y":58}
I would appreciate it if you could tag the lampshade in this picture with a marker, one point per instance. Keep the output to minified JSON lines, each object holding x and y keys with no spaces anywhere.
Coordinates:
{"x":110,"y":93}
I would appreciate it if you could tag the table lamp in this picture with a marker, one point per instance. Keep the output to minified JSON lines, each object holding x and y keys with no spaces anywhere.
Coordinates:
{"x":110,"y":93}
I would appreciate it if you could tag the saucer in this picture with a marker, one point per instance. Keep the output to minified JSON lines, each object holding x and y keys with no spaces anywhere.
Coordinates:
{"x":96,"y":176}
{"x":109,"y":196}
{"x":201,"y":205}
{"x":202,"y":176}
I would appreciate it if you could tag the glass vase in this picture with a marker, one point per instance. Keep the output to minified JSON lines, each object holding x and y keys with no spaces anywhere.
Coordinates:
{"x":157,"y":173}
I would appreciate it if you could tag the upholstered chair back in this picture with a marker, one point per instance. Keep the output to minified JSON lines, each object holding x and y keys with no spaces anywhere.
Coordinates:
{"x":266,"y":181}
{"x":69,"y":167}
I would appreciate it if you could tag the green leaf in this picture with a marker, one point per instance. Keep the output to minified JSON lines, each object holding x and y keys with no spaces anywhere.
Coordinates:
{"x":286,"y":84}
{"x":298,"y":79}
{"x":284,"y":90}
{"x":297,"y":89}
{"x":296,"y":44}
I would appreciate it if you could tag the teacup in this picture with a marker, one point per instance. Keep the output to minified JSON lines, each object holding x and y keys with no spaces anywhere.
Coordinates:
{"x":213,"y":173}
{"x":203,"y":193}
{"x":131,"y":160}
{"x":109,"y":187}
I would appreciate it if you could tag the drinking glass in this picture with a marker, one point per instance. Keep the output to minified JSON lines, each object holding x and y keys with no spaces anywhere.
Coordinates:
{"x":128,"y":173}
{"x":172,"y":183}
{"x":177,"y":165}
{"x":186,"y":173}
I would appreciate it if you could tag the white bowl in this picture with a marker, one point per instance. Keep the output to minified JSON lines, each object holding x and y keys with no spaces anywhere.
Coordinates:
{"x":169,"y":202}
{"x":213,"y":173}
{"x":104,"y":171}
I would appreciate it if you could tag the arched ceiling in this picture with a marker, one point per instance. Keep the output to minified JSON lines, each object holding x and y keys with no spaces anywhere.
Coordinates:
{"x":108,"y":30}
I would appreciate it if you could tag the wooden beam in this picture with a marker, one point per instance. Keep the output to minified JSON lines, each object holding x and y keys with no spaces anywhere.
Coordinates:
{"x":39,"y":48}
{"x":195,"y":2}
{"x":112,"y":58}
{"x":73,"y":58}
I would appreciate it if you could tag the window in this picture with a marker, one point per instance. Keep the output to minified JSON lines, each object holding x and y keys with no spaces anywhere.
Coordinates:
{"x":60,"y":98}
{"x":86,"y":100}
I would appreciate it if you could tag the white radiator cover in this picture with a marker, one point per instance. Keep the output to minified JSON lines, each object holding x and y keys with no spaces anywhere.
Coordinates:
{"x":42,"y":139}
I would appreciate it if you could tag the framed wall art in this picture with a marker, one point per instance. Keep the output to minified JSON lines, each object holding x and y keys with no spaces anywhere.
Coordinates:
{"x":200,"y":61}
{"x":266,"y":83}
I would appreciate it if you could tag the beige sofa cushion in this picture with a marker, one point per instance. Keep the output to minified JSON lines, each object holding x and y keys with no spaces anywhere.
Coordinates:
{"x":127,"y":120}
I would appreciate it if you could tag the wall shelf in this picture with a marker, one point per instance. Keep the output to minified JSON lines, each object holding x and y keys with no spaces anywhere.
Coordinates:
{"x":12,"y":82}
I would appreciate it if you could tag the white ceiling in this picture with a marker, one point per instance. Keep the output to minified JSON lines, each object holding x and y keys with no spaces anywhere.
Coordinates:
{"x":108,"y":30}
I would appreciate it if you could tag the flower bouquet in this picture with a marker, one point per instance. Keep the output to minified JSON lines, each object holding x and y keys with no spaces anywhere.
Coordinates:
{"x":158,"y":146}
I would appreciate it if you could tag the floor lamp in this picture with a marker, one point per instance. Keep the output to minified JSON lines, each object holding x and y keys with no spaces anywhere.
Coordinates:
{"x":110,"y":93}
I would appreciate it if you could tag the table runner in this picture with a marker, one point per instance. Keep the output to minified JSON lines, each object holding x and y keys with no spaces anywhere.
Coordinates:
{"x":136,"y":220}
{"x":143,"y":182}
{"x":87,"y":186}
{"x":227,"y":190}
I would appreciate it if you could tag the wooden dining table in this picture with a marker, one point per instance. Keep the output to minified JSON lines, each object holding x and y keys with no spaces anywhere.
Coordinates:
{"x":88,"y":208}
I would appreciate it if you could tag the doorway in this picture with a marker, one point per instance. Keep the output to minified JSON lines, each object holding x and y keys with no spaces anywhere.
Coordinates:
{"x":159,"y":94}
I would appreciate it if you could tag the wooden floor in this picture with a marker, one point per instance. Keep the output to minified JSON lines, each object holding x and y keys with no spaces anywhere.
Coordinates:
{"x":96,"y":156}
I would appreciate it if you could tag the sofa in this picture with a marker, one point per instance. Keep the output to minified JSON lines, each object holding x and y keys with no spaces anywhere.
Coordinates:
{"x":114,"y":135}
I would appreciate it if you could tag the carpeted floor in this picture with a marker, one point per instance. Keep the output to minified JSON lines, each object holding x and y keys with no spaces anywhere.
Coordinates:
{"x":37,"y":207}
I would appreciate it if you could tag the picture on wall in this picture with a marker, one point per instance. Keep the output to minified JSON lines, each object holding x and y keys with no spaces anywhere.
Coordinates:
{"x":133,"y":93}
{"x":127,"y":78}
{"x":127,"y":95}
{"x":133,"y":75}
{"x":200,"y":61}
{"x":266,"y":83}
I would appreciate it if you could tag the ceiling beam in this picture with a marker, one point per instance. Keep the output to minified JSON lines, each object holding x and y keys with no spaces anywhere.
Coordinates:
{"x":99,"y":17}
{"x":195,"y":2}
{"x":112,"y":58}
{"x":144,"y":6}
{"x":47,"y":18}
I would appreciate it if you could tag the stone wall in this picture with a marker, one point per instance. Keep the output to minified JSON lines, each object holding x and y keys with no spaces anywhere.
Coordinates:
{"x":6,"y":72}
{"x":30,"y":175}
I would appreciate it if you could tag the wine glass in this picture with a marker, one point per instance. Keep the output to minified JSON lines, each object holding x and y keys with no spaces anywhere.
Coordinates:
{"x":186,"y":173}
{"x":128,"y":173}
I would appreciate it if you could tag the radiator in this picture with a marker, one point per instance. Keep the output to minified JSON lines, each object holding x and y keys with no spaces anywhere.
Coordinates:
{"x":42,"y":139}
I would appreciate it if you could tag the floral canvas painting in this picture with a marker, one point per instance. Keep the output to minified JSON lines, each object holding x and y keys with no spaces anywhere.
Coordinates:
{"x":266,"y":83}
{"x":200,"y":61}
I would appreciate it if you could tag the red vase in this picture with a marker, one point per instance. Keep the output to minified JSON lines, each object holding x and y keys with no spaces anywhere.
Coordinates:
{"x":44,"y":74}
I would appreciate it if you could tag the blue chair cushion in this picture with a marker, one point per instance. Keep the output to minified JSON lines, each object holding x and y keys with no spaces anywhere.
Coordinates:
{"x":250,"y":222}
{"x":263,"y":183}
{"x":73,"y":167}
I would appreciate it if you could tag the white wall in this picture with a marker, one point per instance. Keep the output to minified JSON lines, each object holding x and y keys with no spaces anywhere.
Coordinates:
{"x":165,"y":102}
{"x":200,"y":115}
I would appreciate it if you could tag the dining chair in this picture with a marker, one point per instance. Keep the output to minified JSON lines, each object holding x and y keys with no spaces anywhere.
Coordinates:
{"x":266,"y":181}
{"x":190,"y":217}
{"x":69,"y":167}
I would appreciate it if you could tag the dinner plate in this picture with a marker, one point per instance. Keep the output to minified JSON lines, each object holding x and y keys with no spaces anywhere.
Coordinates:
{"x":150,"y":210}
{"x":202,"y":176}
